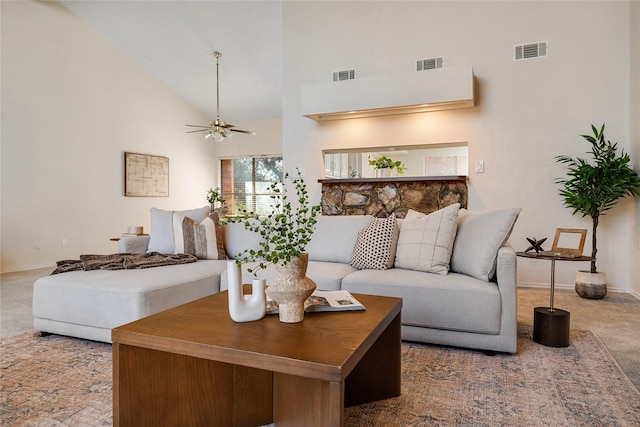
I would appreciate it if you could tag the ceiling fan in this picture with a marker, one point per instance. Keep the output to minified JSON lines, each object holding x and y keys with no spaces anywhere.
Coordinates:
{"x":218,"y":129}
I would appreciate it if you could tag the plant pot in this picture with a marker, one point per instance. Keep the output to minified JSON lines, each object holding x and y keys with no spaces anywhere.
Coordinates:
{"x":383,"y":173}
{"x":291,"y":289}
{"x":591,"y":285}
{"x":222,"y":210}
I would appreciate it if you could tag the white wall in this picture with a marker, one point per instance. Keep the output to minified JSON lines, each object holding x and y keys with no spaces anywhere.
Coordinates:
{"x":634,"y":150}
{"x":72,"y":104}
{"x":266,"y":142}
{"x":527,"y":112}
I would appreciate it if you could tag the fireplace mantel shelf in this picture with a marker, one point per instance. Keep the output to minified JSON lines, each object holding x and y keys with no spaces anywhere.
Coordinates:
{"x":458,"y":178}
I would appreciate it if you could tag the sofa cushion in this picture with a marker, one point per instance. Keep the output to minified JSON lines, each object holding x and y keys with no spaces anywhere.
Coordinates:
{"x":449,"y":302}
{"x":479,"y":236}
{"x":104,"y":299}
{"x":375,"y":247}
{"x":335,"y":236}
{"x":204,"y":239}
{"x":426,"y":241}
{"x":162,"y":228}
{"x":326,"y":275}
{"x":237,"y":238}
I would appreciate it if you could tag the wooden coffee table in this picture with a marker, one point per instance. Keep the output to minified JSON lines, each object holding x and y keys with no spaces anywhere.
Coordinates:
{"x":193,"y":365}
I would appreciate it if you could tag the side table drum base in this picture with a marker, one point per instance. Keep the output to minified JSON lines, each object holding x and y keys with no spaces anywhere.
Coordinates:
{"x":551,"y":328}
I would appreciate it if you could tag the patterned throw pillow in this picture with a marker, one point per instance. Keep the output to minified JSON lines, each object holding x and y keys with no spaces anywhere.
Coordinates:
{"x":376,"y":245}
{"x":203,"y":240}
{"x":426,"y":241}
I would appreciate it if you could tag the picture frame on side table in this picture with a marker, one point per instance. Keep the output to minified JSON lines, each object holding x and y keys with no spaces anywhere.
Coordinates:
{"x":146,"y":175}
{"x":569,"y":242}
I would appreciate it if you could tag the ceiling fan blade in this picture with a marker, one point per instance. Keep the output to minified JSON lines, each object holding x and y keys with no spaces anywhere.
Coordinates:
{"x":199,"y":130}
{"x":199,"y":126}
{"x":243,"y":131}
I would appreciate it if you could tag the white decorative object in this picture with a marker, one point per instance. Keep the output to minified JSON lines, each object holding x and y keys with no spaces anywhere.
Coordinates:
{"x":134,"y":229}
{"x":245,"y":308}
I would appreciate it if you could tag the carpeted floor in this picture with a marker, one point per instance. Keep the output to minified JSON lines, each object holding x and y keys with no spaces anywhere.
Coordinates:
{"x":57,"y":381}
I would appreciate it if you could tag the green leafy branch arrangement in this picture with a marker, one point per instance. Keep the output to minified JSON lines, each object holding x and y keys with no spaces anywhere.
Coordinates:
{"x":215,"y":196}
{"x":593,"y":188}
{"x":383,"y":162}
{"x":286,"y":231}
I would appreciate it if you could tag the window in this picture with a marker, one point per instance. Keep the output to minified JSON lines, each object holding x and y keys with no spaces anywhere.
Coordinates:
{"x":447,"y":161}
{"x":438,"y":159}
{"x":245,"y":183}
{"x":342,"y":165}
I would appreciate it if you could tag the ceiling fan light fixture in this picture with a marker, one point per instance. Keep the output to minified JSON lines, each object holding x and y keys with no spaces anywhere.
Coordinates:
{"x":217,"y":128}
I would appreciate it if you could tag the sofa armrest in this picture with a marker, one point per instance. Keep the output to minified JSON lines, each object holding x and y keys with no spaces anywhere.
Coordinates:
{"x":506,"y":275}
{"x":133,"y":245}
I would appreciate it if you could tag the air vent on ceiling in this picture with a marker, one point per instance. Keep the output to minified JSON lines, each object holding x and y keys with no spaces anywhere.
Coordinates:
{"x":429,"y":64}
{"x":344,"y":75}
{"x":531,"y":50}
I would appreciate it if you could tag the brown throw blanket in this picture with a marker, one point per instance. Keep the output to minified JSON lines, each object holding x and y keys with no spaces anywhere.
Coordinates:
{"x":122,"y":261}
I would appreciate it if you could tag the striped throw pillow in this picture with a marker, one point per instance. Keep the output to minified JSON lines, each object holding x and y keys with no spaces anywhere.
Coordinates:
{"x":203,"y":239}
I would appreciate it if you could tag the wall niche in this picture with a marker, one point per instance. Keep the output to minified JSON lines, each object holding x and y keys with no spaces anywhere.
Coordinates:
{"x":381,"y":197}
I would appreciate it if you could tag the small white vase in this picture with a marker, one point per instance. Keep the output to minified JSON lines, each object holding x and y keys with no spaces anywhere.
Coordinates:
{"x":291,"y":289}
{"x":245,"y":308}
{"x":383,"y":173}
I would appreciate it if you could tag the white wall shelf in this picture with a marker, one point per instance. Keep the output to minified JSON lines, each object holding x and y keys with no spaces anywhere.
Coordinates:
{"x":417,"y":92}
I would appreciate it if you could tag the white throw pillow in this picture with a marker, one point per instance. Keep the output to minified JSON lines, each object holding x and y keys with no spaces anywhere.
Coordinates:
{"x":161,"y":239}
{"x":237,"y":238}
{"x":203,"y":239}
{"x":480,"y":235}
{"x":426,"y":241}
{"x":376,"y":245}
{"x":335,"y":237}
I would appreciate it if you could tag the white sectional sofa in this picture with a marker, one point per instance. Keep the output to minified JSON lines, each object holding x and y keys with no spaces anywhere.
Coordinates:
{"x":473,"y":305}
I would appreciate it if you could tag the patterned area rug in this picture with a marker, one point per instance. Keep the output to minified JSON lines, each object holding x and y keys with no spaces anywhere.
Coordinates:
{"x":57,"y":381}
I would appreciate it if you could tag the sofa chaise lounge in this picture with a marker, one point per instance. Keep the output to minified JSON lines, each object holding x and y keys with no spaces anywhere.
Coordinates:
{"x":468,"y":301}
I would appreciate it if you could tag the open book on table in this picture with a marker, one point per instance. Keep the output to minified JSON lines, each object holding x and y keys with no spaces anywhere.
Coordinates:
{"x":324,"y":301}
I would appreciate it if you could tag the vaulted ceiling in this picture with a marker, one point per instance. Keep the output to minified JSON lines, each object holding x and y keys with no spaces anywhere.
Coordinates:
{"x":175,"y":41}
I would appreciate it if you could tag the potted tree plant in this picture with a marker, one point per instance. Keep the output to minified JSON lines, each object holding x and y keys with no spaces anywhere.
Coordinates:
{"x":593,"y":188}
{"x":285,"y":233}
{"x":383,"y":166}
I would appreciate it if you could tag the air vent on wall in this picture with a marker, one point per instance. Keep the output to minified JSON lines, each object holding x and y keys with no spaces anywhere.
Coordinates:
{"x":429,"y":64}
{"x":344,"y":75}
{"x":531,"y":50}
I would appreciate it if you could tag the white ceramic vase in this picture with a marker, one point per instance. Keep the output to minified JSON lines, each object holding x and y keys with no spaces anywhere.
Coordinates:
{"x":291,"y":289}
{"x":383,"y":172}
{"x":249,"y":307}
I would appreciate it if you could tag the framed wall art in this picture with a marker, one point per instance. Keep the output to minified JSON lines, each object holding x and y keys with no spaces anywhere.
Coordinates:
{"x":146,"y":175}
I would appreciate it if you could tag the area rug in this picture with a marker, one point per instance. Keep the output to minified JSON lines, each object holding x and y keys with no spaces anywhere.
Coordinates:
{"x":57,"y":381}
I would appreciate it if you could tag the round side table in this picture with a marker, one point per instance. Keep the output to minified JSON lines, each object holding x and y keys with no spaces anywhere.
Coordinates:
{"x":551,"y":326}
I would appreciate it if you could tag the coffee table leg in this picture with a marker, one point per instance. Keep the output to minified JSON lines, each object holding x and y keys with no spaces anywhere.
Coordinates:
{"x":299,"y":401}
{"x":153,"y":387}
{"x":304,"y":401}
{"x":378,"y":374}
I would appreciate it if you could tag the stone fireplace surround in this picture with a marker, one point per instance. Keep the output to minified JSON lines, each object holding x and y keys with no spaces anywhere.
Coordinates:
{"x":381,"y":197}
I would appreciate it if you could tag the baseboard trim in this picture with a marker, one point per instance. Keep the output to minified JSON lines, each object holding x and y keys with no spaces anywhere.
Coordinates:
{"x":22,"y":270}
{"x":572,"y":287}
